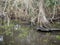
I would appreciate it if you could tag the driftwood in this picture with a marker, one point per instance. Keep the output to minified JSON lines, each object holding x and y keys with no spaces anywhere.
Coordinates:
{"x":47,"y":29}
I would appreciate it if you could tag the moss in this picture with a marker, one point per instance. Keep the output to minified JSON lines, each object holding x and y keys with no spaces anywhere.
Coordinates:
{"x":58,"y":37}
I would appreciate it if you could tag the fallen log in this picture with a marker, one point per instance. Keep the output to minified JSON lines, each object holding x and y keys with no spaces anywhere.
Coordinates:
{"x":47,"y":29}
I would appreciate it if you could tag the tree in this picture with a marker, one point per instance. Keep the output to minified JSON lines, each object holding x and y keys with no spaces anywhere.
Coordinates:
{"x":42,"y":16}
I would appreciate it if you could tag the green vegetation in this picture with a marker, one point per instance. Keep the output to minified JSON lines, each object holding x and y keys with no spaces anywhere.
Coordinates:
{"x":58,"y":37}
{"x":15,"y":14}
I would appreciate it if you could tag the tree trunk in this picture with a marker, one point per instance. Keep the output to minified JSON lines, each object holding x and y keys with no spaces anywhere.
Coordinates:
{"x":42,"y":16}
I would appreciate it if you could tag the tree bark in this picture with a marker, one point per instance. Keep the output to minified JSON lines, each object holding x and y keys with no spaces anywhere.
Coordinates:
{"x":42,"y":16}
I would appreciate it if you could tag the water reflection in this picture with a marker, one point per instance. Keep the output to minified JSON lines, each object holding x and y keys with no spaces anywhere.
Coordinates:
{"x":34,"y":37}
{"x":40,"y":38}
{"x":17,"y":26}
{"x":1,"y":38}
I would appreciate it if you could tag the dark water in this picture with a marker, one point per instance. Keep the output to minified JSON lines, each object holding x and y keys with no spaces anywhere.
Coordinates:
{"x":33,"y":37}
{"x":42,"y":38}
{"x":39,"y":38}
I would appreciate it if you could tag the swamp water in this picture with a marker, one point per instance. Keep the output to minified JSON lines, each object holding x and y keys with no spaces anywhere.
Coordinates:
{"x":26,"y":35}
